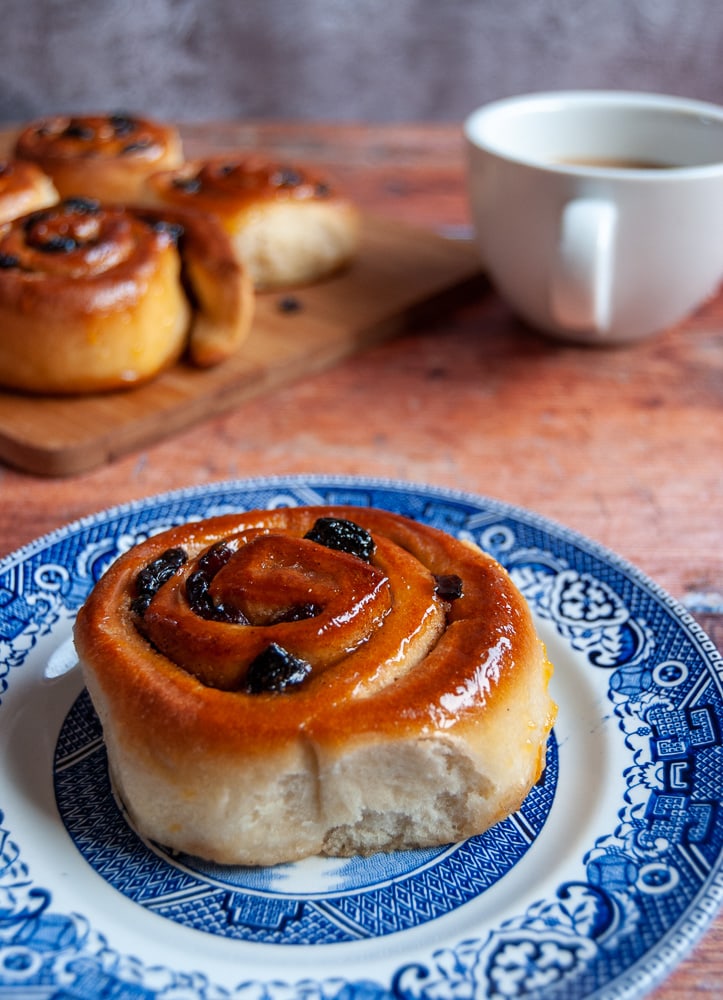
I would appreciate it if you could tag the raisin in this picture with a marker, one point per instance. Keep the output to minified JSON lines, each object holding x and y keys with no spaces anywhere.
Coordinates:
{"x":189,"y":185}
{"x":8,"y":260}
{"x":286,"y":177}
{"x":141,"y":603}
{"x":77,"y":130}
{"x":154,"y":575}
{"x":215,"y":558}
{"x":58,"y":244}
{"x":448,"y":586}
{"x":198,"y":587}
{"x":81,"y":206}
{"x":70,"y":206}
{"x":296,"y":613}
{"x":275,"y":669}
{"x":289,"y":304}
{"x":232,"y":616}
{"x":345,"y":536}
{"x":161,"y":569}
{"x":122,"y":124}
{"x":322,"y":190}
{"x":198,"y":596}
{"x":174,"y":230}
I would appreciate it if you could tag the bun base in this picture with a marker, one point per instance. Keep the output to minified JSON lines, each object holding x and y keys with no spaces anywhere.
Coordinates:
{"x":60,"y":347}
{"x":391,"y":746}
{"x":360,"y":798}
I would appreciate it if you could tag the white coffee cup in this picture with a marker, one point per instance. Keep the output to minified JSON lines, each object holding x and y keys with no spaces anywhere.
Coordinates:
{"x":599,"y":214}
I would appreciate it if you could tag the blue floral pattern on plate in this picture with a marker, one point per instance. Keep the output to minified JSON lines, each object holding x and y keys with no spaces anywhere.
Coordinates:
{"x":610,"y":870}
{"x":308,"y":903}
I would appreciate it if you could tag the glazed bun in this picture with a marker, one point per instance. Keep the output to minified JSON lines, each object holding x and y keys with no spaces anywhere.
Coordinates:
{"x":314,"y":680}
{"x":23,"y":188}
{"x":288,"y":227}
{"x":95,"y":298}
{"x":103,"y":156}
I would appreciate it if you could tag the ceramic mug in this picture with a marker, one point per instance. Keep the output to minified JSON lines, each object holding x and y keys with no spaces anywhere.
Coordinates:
{"x":599,"y":214}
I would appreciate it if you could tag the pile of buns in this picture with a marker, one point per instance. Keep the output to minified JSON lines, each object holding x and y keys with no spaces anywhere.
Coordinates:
{"x":118,"y":257}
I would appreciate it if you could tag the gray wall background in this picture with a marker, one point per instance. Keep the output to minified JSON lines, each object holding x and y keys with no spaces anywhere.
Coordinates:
{"x":344,"y":60}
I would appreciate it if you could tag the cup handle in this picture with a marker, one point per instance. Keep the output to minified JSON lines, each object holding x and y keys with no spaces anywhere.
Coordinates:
{"x":582,"y":278}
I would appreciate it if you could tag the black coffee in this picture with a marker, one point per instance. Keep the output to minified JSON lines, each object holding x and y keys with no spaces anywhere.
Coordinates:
{"x":615,"y":163}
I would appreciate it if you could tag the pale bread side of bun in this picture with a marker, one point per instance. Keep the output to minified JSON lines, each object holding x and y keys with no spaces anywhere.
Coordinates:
{"x":288,"y":228}
{"x":305,"y":799}
{"x":286,"y":244}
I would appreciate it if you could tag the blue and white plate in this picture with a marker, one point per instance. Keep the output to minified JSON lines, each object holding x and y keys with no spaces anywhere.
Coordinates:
{"x":595,"y":887}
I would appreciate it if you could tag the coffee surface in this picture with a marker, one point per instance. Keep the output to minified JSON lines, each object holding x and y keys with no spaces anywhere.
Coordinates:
{"x":616,"y":163}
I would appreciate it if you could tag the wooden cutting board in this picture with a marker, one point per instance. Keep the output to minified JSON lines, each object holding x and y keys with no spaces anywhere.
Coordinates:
{"x":399,"y":272}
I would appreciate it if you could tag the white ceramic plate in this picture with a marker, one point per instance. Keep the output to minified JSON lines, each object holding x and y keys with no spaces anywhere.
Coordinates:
{"x":605,"y":876}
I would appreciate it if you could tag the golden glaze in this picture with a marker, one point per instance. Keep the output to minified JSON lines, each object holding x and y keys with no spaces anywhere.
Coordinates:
{"x":230,"y":185}
{"x":111,"y":260}
{"x":23,"y":188}
{"x":287,"y":226}
{"x":102,"y":156}
{"x":466,"y":660}
{"x":63,"y":136}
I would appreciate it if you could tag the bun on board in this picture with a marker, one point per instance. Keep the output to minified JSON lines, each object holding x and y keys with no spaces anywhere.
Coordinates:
{"x":287,"y":226}
{"x":23,"y":188}
{"x":103,"y":156}
{"x":314,"y":680}
{"x":98,"y":297}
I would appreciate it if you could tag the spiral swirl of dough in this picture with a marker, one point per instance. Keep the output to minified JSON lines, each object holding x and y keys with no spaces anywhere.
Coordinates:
{"x":380,"y":632}
{"x":105,"y":156}
{"x":79,"y":239}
